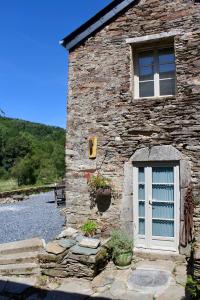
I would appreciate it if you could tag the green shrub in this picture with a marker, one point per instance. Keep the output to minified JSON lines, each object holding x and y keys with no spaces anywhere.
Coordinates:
{"x":3,"y":174}
{"x":193,"y":288}
{"x":120,"y":243}
{"x":24,"y":171}
{"x":89,"y":228}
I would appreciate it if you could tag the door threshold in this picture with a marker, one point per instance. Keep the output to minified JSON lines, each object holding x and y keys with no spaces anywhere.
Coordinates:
{"x":159,"y":251}
{"x":154,"y":254}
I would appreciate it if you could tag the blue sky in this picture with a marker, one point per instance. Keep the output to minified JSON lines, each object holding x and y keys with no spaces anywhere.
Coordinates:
{"x":33,"y":66}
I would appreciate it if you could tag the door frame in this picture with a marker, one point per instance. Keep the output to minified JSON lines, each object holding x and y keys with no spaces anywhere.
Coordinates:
{"x":146,"y":242}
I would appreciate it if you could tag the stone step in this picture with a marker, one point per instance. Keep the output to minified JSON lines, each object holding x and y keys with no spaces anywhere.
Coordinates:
{"x":19,"y":258}
{"x":159,"y":256}
{"x":19,"y":269}
{"x":34,"y":244}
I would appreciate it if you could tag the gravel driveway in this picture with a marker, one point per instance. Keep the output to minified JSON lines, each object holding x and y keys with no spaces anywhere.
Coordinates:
{"x":36,"y":217}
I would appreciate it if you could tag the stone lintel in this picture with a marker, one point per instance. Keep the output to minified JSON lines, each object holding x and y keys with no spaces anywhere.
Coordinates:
{"x":152,"y":37}
{"x":157,"y":153}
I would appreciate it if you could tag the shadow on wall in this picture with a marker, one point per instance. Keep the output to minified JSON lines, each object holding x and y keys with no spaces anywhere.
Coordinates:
{"x":22,"y":291}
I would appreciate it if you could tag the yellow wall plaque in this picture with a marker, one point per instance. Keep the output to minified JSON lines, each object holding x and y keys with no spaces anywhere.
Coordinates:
{"x":92,"y":147}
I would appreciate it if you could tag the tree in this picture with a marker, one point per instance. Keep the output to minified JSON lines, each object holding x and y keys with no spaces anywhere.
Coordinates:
{"x":47,"y":172}
{"x":24,"y":172}
{"x":15,"y":147}
{"x":32,"y":150}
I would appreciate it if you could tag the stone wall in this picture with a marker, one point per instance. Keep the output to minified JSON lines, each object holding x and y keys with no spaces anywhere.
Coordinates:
{"x":73,"y":255}
{"x":101,"y":103}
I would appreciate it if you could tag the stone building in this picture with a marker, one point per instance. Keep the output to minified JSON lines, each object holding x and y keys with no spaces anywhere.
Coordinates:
{"x":134,"y":85}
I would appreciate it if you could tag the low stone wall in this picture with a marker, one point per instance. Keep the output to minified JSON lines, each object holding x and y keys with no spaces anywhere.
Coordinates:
{"x":73,"y":255}
{"x":25,"y":191}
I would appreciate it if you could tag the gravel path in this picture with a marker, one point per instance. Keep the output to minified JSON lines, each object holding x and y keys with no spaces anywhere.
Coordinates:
{"x":36,"y":217}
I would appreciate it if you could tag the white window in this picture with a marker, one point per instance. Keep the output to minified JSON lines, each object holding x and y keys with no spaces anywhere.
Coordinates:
{"x":155,"y":73}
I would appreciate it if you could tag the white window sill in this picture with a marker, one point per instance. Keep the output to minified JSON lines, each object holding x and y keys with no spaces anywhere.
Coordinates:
{"x":155,"y":97}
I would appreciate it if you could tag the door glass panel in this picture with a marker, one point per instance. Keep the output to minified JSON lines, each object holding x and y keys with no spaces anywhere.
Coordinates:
{"x":142,"y":226}
{"x":141,"y":192}
{"x":163,"y":210}
{"x":163,"y":198}
{"x":162,"y":192}
{"x":142,"y":209}
{"x":141,"y":199}
{"x":141,"y":178}
{"x":163,"y":228}
{"x":163,"y":175}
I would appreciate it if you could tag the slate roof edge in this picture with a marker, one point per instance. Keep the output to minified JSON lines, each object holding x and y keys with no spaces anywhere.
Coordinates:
{"x":95,"y":23}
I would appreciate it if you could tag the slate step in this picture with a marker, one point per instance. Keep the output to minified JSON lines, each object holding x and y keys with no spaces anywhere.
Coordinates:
{"x":19,"y":269}
{"x":160,"y":256}
{"x":18,"y":258}
{"x":34,"y":244}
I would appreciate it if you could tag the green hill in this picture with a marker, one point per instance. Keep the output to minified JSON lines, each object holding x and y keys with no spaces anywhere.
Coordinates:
{"x":31,"y":153}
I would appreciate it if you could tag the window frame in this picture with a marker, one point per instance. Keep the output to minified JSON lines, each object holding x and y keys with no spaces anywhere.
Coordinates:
{"x":156,"y":79}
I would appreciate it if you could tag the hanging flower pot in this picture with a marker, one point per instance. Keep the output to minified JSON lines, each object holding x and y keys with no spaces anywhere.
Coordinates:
{"x":100,"y":192}
{"x":103,"y":192}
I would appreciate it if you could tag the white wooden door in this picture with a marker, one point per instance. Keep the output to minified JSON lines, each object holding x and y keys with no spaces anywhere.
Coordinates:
{"x":156,"y":206}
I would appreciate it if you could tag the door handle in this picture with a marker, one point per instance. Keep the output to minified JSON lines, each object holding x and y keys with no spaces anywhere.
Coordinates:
{"x":150,"y":202}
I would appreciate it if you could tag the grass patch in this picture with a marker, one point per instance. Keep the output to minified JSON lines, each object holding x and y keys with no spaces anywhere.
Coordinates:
{"x":8,"y":185}
{"x":11,"y":185}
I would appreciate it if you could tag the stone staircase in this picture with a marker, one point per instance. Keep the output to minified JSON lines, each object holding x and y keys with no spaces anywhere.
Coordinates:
{"x":21,"y":257}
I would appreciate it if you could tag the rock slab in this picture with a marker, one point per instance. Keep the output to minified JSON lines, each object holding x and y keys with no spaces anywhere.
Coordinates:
{"x":83,"y":250}
{"x":69,"y":232}
{"x":89,"y":243}
{"x":54,"y":247}
{"x":146,"y":278}
{"x":66,"y":243}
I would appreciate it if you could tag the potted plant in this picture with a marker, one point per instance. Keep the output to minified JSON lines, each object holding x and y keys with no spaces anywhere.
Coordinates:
{"x":89,"y":228}
{"x":100,"y":185}
{"x":100,"y":192}
{"x":122,"y":248}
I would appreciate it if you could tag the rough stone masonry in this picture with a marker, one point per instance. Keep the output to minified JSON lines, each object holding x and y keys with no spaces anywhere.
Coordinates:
{"x":101,"y":103}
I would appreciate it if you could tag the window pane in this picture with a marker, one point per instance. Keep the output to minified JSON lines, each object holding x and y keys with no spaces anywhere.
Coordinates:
{"x":166,"y":56}
{"x":167,"y":87}
{"x":141,"y":226}
{"x":141,"y":192}
{"x":146,"y":73}
{"x":146,"y":59}
{"x":141,"y":175}
{"x":167,"y":71}
{"x":163,"y":228}
{"x":146,"y":89}
{"x":146,"y":70}
{"x":163,"y":210}
{"x":162,"y":192}
{"x":163,"y":175}
{"x":141,"y":209}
